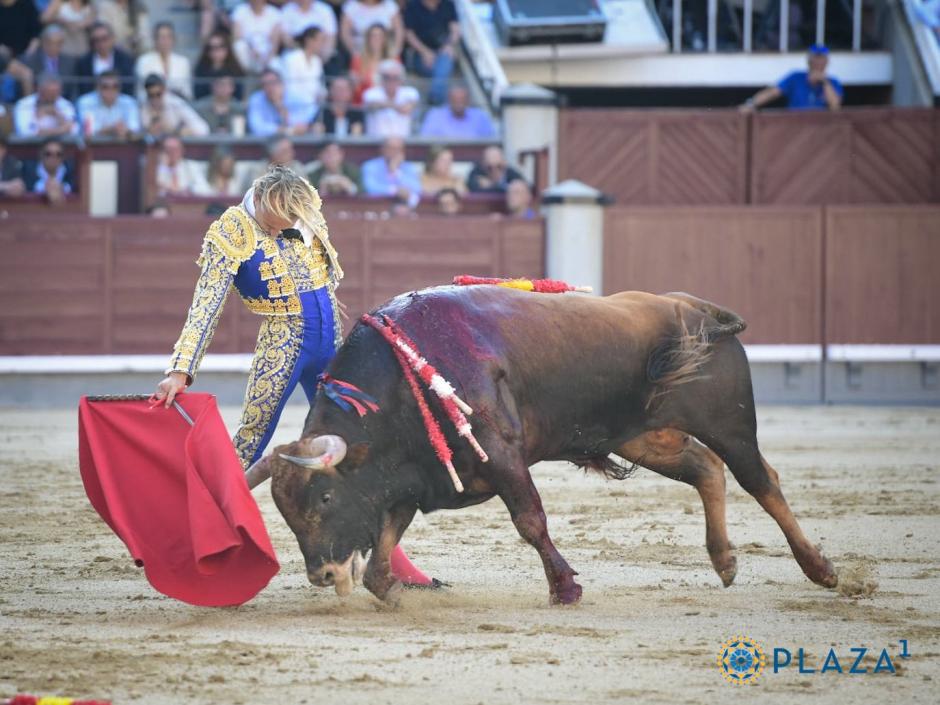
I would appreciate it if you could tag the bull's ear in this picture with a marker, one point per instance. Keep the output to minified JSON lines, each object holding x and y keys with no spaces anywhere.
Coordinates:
{"x":355,"y":456}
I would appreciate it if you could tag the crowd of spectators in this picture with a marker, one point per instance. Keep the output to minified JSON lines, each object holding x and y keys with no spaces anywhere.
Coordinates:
{"x":380,"y":69}
{"x":390,"y":175}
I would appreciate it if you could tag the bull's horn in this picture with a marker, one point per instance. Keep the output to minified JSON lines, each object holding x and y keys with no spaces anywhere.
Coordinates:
{"x":258,"y":472}
{"x":325,"y":452}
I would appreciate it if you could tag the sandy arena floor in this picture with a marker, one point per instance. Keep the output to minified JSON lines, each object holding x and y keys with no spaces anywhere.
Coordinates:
{"x":78,"y":619}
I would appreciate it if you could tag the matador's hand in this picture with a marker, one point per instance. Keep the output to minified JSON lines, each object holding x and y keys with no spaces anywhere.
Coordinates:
{"x":167,"y":390}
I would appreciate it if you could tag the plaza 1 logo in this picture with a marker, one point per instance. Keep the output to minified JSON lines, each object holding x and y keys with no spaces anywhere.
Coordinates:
{"x":742,"y":660}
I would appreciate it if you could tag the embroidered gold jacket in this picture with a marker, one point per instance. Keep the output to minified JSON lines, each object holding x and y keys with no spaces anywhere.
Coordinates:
{"x":268,"y":273}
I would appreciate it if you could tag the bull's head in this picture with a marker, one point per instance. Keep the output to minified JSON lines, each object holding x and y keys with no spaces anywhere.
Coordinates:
{"x":314,"y":488}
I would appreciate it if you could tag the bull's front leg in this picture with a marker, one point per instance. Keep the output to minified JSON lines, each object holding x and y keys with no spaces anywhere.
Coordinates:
{"x":516,"y":489}
{"x":378,"y":577}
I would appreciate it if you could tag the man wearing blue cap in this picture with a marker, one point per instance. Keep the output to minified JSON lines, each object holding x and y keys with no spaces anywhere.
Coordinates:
{"x":804,"y":90}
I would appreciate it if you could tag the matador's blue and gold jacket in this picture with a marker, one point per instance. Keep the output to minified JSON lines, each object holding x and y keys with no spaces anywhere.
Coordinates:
{"x":268,"y":273}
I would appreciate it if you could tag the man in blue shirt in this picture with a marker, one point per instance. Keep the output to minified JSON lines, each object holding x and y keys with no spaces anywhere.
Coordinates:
{"x":457,"y":120}
{"x":107,"y":112}
{"x":804,"y":90}
{"x":391,"y":175}
{"x":270,"y":113}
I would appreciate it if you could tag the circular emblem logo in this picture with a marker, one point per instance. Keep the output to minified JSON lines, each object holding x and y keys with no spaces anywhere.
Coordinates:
{"x":741,"y":660}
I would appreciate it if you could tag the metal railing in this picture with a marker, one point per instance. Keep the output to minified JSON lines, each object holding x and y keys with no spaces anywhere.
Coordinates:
{"x":743,"y":29}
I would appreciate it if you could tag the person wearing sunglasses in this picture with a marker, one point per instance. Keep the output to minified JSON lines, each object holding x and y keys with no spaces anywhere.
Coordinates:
{"x":106,"y":112}
{"x":52,"y":174}
{"x":164,"y":113}
{"x":104,"y":56}
{"x":217,"y":59}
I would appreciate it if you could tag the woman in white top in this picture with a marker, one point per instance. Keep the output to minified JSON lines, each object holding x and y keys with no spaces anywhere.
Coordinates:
{"x":298,"y":15}
{"x":302,"y":68}
{"x":359,"y":15}
{"x":173,"y":68}
{"x":74,"y":16}
{"x":256,"y":29}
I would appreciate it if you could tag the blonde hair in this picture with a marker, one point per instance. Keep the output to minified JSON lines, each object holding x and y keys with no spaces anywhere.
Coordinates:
{"x":287,"y":195}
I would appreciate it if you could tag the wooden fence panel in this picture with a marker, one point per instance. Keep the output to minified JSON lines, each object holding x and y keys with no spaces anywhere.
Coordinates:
{"x":656,"y":157}
{"x":881,"y":274}
{"x":853,"y":156}
{"x":52,"y":283}
{"x":764,"y":263}
{"x":123,"y":285}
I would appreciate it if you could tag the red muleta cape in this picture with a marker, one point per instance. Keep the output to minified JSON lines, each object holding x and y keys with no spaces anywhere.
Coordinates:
{"x":176,"y":496}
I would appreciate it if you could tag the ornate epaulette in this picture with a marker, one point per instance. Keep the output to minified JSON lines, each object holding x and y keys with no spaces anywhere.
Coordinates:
{"x":234,"y":235}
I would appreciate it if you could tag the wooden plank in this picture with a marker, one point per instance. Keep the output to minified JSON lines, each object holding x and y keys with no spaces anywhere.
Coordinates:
{"x":764,"y":263}
{"x":656,"y":156}
{"x":882,"y":284}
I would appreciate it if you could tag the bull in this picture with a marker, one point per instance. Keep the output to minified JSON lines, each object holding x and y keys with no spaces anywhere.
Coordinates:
{"x":657,"y":381}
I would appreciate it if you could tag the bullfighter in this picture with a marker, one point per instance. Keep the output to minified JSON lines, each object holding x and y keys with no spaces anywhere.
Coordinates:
{"x":274,"y":248}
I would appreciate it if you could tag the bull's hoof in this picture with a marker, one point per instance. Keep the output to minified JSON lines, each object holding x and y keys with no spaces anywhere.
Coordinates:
{"x":570,"y":595}
{"x":827,"y":577}
{"x":727,"y":571}
{"x":392,"y":597}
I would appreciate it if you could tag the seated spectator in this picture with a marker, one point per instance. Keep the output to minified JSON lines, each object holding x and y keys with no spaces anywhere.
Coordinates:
{"x":804,"y":90}
{"x":163,"y":113}
{"x":222,"y":178}
{"x":390,"y":174}
{"x":432,"y":32}
{"x":220,"y":110}
{"x":19,"y":26}
{"x":333,"y":175}
{"x":339,"y":118}
{"x":256,"y":29}
{"x":390,"y":105}
{"x":106,"y":112}
{"x":280,"y":153}
{"x":270,"y":113}
{"x":104,"y":56}
{"x":16,"y":79}
{"x":48,"y":57}
{"x":297,"y":16}
{"x":519,"y":199}
{"x":75,"y":17}
{"x":457,"y":120}
{"x":217,"y":59}
{"x":448,"y":202}
{"x":364,"y":68}
{"x":178,"y":176}
{"x":52,"y":175}
{"x":45,"y":113}
{"x":359,"y":15}
{"x":301,"y":69}
{"x":11,"y":173}
{"x":492,"y":174}
{"x":163,"y":61}
{"x":129,"y":21}
{"x":439,"y":173}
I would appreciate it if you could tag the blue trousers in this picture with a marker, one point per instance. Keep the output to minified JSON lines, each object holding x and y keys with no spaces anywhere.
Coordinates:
{"x":291,"y":350}
{"x":439,"y":73}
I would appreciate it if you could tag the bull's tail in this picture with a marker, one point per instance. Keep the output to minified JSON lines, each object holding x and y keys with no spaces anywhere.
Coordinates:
{"x":679,"y":359}
{"x":727,"y":321}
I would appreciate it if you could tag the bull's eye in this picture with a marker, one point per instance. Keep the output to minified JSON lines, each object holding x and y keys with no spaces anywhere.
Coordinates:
{"x":326,"y":498}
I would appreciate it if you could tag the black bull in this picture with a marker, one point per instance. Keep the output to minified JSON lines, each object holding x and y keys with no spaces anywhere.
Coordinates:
{"x":659,"y":381}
